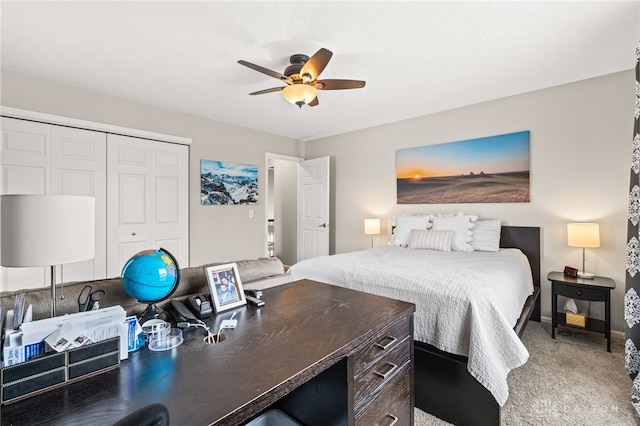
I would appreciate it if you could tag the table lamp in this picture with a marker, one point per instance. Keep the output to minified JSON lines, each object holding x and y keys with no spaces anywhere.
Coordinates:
{"x":585,"y":235}
{"x":46,"y":230}
{"x":371,"y":227}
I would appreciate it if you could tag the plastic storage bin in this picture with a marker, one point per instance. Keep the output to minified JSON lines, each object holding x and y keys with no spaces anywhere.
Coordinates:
{"x":273,"y":417}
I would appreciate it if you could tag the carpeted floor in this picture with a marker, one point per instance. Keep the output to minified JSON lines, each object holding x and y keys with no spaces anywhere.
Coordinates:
{"x":572,"y":380}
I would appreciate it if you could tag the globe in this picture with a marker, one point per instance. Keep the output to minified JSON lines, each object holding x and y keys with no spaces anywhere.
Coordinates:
{"x":151,"y":276}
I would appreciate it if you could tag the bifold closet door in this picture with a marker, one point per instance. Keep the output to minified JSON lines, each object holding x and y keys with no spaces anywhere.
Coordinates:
{"x":39,"y":158}
{"x":147,"y":199}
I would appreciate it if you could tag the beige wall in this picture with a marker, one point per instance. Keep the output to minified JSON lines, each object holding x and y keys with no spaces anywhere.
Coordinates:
{"x":580,"y":156}
{"x":217,"y":233}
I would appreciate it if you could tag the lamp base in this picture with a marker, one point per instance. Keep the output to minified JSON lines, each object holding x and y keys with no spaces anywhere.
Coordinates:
{"x":586,"y":275}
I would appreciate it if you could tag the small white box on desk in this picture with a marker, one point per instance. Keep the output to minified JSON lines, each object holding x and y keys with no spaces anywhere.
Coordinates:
{"x":98,"y":325}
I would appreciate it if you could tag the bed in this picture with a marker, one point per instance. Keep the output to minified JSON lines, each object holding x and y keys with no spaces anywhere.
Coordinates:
{"x":468,"y":340}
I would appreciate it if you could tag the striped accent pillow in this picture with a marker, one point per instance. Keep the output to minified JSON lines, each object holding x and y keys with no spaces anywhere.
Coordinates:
{"x":431,"y":240}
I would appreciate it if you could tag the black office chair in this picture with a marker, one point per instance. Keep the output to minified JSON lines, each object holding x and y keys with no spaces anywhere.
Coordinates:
{"x":151,"y":415}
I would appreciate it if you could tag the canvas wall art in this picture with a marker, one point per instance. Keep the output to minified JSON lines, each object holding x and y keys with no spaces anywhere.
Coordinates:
{"x":492,"y":169}
{"x":228,"y":183}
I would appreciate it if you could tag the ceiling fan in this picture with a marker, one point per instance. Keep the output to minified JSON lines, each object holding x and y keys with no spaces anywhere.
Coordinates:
{"x":301,"y":78}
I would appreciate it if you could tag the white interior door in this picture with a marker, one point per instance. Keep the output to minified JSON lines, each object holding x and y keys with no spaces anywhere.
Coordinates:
{"x":79,"y":167}
{"x":147,"y":199}
{"x":39,"y":158}
{"x":25,"y":157}
{"x":313,"y":210}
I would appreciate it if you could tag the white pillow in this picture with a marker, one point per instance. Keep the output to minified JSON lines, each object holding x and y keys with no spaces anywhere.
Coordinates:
{"x":485,"y":235}
{"x":431,"y":240}
{"x":404,"y":225}
{"x":461,"y":225}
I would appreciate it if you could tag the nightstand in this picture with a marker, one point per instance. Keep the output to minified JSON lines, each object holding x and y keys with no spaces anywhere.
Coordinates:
{"x":597,"y":289}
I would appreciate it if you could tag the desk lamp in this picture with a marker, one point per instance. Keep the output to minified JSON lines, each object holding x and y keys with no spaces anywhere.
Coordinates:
{"x":371,"y":227}
{"x":46,"y":230}
{"x":583,"y":235}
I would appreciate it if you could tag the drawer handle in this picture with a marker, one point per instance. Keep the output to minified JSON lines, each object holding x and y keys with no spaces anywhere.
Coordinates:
{"x":394,"y":419}
{"x":389,"y":371}
{"x":579,"y":292}
{"x":392,"y":340}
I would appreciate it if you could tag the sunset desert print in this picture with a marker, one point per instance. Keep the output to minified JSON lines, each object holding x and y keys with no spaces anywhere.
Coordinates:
{"x":485,"y":170}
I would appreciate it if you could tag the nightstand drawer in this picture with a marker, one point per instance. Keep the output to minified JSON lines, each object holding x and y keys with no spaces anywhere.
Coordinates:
{"x":383,"y":372}
{"x":392,"y":406}
{"x":581,"y":292}
{"x":384,"y":345}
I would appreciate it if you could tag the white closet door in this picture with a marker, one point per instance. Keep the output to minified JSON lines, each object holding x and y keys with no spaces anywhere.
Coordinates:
{"x":25,"y":161}
{"x":37,"y":158}
{"x":147,"y":199}
{"x":80,"y":168}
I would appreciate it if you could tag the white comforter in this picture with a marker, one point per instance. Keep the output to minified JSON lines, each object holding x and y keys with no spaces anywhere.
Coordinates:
{"x":467,"y":303}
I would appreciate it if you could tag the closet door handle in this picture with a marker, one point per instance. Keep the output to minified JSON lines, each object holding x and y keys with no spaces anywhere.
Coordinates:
{"x":133,"y":233}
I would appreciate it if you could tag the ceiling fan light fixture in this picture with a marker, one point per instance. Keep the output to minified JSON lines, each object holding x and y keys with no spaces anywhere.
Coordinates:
{"x":299,"y":94}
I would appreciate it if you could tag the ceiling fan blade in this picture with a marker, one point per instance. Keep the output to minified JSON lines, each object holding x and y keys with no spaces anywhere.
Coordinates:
{"x":331,"y":84}
{"x":273,"y":89}
{"x":263,"y":70}
{"x":316,"y":64}
{"x":314,"y":102}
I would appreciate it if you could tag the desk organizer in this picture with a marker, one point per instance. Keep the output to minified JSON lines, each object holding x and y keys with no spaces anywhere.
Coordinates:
{"x":55,"y":369}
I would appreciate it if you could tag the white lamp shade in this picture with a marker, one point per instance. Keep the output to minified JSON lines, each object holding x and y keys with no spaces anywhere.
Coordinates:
{"x":371,"y":226}
{"x":295,"y":93}
{"x":583,"y":235}
{"x":45,"y":230}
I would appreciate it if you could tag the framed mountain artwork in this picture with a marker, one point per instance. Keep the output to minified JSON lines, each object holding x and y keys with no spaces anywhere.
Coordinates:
{"x":228,"y":183}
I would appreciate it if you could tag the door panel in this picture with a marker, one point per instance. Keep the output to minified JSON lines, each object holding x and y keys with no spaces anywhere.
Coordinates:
{"x":147,"y":199}
{"x":314,"y":207}
{"x":79,"y":164}
{"x":24,"y":180}
{"x":38,"y":158}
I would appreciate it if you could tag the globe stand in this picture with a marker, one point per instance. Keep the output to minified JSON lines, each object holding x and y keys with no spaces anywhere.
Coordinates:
{"x":151,"y":312}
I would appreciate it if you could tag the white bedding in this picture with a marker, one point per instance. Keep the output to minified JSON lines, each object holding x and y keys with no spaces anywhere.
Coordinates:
{"x":467,"y":303}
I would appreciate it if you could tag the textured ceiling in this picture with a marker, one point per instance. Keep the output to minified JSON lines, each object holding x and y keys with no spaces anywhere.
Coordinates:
{"x":416,"y":57}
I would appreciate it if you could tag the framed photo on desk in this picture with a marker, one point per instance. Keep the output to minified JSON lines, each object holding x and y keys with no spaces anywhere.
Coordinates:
{"x":225,"y":287}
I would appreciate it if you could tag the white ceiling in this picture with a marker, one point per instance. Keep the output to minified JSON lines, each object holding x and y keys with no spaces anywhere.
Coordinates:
{"x":416,"y":57}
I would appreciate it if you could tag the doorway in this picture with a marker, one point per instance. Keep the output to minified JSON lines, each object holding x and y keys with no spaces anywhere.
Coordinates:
{"x":281,"y":227}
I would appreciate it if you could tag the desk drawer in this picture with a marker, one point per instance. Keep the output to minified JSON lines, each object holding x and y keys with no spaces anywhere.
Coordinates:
{"x":370,"y":354}
{"x":383,"y":372}
{"x":392,"y":406}
{"x":581,"y":292}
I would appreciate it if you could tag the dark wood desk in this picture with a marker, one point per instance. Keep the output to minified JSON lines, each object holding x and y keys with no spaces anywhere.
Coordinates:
{"x":324,"y":354}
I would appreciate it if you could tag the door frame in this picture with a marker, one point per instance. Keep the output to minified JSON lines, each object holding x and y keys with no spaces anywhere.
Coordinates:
{"x":268,"y":156}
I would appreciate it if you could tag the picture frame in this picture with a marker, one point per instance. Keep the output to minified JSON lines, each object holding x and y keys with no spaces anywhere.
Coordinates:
{"x":229,"y":296}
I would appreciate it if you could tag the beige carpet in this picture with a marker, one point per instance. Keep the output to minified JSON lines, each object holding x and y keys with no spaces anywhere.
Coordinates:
{"x":572,"y":380}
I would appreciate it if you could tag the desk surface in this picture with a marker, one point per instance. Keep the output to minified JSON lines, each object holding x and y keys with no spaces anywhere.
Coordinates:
{"x":304,"y":328}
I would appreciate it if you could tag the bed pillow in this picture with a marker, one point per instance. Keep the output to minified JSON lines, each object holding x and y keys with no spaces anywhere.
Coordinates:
{"x":485,"y":235}
{"x":431,"y":240}
{"x":403,"y":226}
{"x":461,"y":226}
